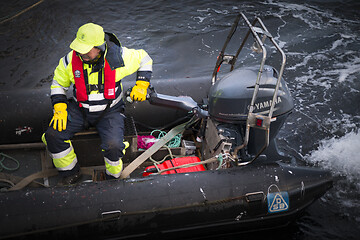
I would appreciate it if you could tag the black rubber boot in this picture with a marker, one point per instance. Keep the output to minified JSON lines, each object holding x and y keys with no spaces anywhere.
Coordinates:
{"x":109,"y":177}
{"x":69,"y":180}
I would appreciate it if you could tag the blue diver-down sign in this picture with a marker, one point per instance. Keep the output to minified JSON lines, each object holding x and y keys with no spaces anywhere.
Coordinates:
{"x":278,"y":202}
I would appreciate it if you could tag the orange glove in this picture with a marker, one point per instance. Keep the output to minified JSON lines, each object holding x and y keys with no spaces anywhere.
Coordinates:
{"x":139,"y":91}
{"x":60,"y":116}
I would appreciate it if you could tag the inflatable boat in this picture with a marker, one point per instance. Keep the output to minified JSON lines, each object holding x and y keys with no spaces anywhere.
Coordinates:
{"x":224,"y":174}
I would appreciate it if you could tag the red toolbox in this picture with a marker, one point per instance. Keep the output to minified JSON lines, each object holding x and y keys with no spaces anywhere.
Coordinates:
{"x":174,"y":163}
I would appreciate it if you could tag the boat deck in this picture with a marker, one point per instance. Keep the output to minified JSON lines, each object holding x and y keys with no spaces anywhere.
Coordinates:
{"x":33,"y":158}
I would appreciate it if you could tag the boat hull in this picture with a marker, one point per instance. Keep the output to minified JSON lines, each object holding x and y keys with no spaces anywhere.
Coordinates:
{"x":187,"y":203}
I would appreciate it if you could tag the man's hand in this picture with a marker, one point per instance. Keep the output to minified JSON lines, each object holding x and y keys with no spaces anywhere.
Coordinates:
{"x":60,"y":116}
{"x":139,"y":91}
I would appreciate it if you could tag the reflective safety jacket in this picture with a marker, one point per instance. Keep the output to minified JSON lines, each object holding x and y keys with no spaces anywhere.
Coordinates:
{"x":81,"y":79}
{"x":121,"y":60}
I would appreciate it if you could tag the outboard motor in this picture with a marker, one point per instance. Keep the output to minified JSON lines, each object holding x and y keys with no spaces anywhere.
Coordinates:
{"x":242,"y":107}
{"x":247,"y":102}
{"x":229,"y":104}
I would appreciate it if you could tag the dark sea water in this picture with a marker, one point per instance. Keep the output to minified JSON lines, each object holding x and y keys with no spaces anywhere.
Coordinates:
{"x":320,"y":38}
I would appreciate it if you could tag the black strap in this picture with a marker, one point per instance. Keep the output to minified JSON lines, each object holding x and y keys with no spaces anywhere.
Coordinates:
{"x":86,"y":81}
{"x":103,"y":113}
{"x":86,"y":122}
{"x":93,"y":87}
{"x":100,"y":83}
{"x":171,"y":161}
{"x":100,"y":87}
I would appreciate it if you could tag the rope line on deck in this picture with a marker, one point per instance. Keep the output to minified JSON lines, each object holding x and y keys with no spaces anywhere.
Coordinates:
{"x":3,"y":166}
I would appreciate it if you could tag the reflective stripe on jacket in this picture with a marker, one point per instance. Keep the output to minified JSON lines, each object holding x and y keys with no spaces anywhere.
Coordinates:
{"x":80,"y":82}
{"x":133,"y":61}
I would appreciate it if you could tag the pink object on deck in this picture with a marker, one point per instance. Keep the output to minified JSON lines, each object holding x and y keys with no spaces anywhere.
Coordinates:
{"x":145,"y":142}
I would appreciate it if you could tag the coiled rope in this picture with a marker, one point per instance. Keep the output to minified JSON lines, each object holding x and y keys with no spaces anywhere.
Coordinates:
{"x":173,"y":143}
{"x":2,"y":165}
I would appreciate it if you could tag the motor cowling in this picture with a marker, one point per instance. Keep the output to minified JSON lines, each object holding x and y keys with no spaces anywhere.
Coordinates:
{"x":230,"y":99}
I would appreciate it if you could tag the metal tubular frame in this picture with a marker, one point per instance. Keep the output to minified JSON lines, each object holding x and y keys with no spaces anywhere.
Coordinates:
{"x":251,"y":119}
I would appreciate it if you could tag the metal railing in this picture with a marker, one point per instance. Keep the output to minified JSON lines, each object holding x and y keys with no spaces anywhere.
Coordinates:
{"x":254,"y":120}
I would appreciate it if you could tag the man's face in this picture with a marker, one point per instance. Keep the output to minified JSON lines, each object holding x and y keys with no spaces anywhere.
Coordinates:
{"x":91,"y":55}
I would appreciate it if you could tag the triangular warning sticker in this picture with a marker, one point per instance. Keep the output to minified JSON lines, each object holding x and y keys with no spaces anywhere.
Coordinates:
{"x":278,"y":202}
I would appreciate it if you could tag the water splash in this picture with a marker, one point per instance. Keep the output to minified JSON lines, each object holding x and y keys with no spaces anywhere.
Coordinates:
{"x":340,"y":155}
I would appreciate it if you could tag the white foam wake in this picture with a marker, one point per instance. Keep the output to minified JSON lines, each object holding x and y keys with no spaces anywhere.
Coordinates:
{"x":340,"y":155}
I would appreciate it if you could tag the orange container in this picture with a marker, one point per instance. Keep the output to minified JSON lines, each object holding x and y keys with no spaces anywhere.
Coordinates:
{"x":175,"y":163}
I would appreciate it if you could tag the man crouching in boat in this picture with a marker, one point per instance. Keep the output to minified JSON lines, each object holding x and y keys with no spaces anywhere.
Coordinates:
{"x":96,"y":66}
